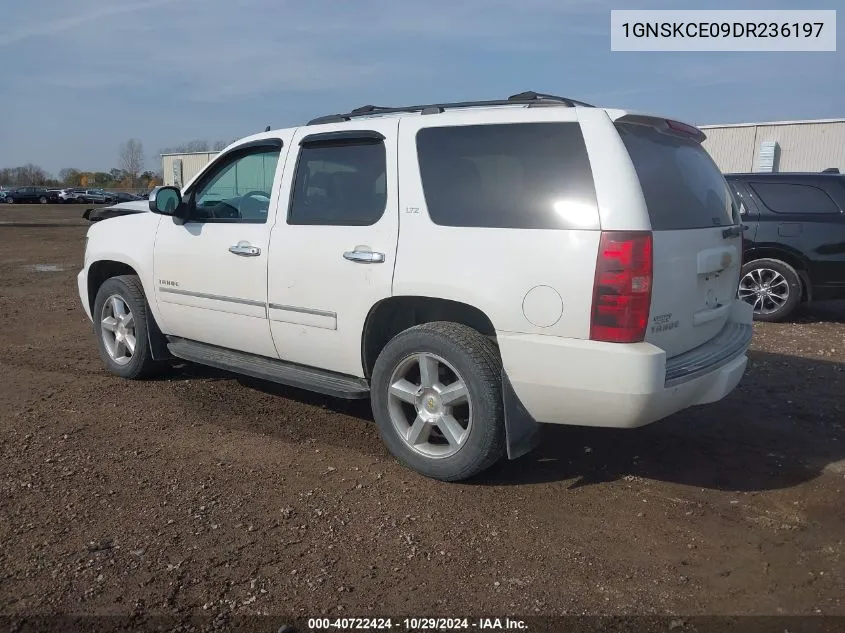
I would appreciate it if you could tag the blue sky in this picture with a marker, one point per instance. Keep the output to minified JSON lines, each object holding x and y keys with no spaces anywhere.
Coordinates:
{"x":78,"y":78}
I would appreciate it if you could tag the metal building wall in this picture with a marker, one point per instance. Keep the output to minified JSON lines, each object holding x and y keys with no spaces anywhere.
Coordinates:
{"x":803,"y":146}
{"x":191,"y":165}
{"x":731,"y":147}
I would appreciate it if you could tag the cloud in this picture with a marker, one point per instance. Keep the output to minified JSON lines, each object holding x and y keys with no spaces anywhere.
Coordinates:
{"x":65,"y":24}
{"x":251,"y":48}
{"x":171,"y":70}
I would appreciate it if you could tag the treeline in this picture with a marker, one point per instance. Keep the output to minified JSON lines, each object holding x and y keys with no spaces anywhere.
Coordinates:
{"x":197,"y":145}
{"x":129,"y":175}
{"x":33,"y":175}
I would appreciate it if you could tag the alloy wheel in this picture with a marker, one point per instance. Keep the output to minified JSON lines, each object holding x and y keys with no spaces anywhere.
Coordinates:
{"x":430,"y":405}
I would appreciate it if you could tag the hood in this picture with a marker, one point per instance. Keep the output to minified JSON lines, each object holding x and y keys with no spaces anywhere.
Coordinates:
{"x":116,"y":210}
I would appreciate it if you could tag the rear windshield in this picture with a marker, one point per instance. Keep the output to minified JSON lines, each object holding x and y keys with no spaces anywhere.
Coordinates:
{"x":682,"y":186}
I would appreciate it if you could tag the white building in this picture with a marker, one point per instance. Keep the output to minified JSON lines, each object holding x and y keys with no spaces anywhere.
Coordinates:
{"x":812,"y":145}
{"x":180,"y":168}
{"x":777,"y":145}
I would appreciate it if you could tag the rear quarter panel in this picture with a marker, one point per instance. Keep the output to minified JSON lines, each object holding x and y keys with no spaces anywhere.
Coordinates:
{"x":502,"y":272}
{"x":813,"y":242}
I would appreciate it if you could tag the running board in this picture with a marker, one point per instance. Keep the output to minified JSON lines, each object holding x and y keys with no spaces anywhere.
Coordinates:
{"x":300,"y":376}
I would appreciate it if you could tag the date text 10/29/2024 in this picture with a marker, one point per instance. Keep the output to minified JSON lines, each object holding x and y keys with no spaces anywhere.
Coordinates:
{"x":416,"y":624}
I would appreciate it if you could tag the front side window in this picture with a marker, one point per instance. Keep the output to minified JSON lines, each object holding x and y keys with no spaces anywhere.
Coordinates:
{"x":340,"y":183}
{"x":238,"y":190}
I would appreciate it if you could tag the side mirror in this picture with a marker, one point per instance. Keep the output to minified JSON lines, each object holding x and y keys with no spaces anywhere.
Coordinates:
{"x":165,"y":200}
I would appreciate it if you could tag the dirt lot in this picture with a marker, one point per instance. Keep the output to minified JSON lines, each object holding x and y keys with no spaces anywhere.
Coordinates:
{"x":204,"y":493}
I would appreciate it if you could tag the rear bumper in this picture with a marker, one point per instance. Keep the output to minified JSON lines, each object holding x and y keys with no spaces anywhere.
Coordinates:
{"x":568,"y":381}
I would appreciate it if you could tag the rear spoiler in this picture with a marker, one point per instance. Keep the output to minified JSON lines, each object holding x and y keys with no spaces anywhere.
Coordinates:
{"x":666,"y":126}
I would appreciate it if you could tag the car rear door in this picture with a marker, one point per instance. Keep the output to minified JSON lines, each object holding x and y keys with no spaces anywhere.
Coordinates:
{"x":333,"y":248}
{"x":696,"y":233}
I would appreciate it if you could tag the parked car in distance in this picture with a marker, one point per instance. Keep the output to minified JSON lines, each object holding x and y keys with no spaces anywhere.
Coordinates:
{"x":96,"y":196}
{"x":124,"y":196}
{"x":71,"y":195}
{"x":564,"y":264}
{"x":794,"y":242}
{"x":27,"y":195}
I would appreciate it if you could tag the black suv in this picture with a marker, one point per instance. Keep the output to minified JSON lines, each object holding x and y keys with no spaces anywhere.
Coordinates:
{"x":794,"y":240}
{"x":28,"y":194}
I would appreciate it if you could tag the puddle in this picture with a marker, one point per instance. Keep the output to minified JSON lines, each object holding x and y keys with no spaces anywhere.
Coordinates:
{"x":46,"y":268}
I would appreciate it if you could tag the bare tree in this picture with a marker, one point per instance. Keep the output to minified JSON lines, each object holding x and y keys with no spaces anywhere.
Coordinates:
{"x":132,"y":158}
{"x":69,"y":176}
{"x":197,"y":145}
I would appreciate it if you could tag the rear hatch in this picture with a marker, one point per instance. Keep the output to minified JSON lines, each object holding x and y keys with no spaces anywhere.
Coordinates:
{"x":696,"y":232}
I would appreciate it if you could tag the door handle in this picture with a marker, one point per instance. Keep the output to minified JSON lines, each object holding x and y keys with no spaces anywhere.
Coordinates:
{"x":364,"y":256}
{"x":245,"y":249}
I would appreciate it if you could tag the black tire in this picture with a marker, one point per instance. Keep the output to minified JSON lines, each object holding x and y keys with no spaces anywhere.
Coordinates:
{"x":42,"y":200}
{"x":476,"y":360}
{"x":795,"y":288}
{"x":9,"y":200}
{"x":131,"y":292}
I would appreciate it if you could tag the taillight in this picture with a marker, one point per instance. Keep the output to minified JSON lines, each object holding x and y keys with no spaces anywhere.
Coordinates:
{"x":622,"y":287}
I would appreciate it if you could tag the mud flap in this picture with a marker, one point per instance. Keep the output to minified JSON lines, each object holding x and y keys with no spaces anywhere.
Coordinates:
{"x":522,"y":432}
{"x":157,"y":341}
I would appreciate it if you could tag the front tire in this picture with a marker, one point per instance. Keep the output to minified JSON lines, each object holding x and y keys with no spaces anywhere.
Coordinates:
{"x":437,"y":400}
{"x":120,"y":323}
{"x":772,"y":287}
{"x":42,"y":200}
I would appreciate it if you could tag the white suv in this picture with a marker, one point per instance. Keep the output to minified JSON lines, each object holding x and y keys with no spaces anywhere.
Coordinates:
{"x":474,"y":268}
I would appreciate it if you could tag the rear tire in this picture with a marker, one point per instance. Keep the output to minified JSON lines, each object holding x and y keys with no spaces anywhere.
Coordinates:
{"x":772,"y":287}
{"x":42,"y":200}
{"x":436,"y":393}
{"x":121,"y":317}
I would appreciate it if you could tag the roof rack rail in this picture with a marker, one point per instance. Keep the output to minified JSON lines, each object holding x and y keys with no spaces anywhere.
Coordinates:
{"x":529,"y":98}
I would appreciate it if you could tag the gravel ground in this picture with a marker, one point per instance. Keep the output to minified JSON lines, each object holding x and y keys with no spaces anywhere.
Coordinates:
{"x":205,"y":493}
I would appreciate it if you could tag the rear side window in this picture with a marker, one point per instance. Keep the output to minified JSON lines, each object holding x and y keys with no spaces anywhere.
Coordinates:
{"x":340,"y":183}
{"x":515,"y":176}
{"x":682,"y":186}
{"x":782,"y":197}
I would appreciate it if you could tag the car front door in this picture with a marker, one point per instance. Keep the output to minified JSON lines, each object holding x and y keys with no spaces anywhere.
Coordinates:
{"x":333,"y":248}
{"x":211,"y":268}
